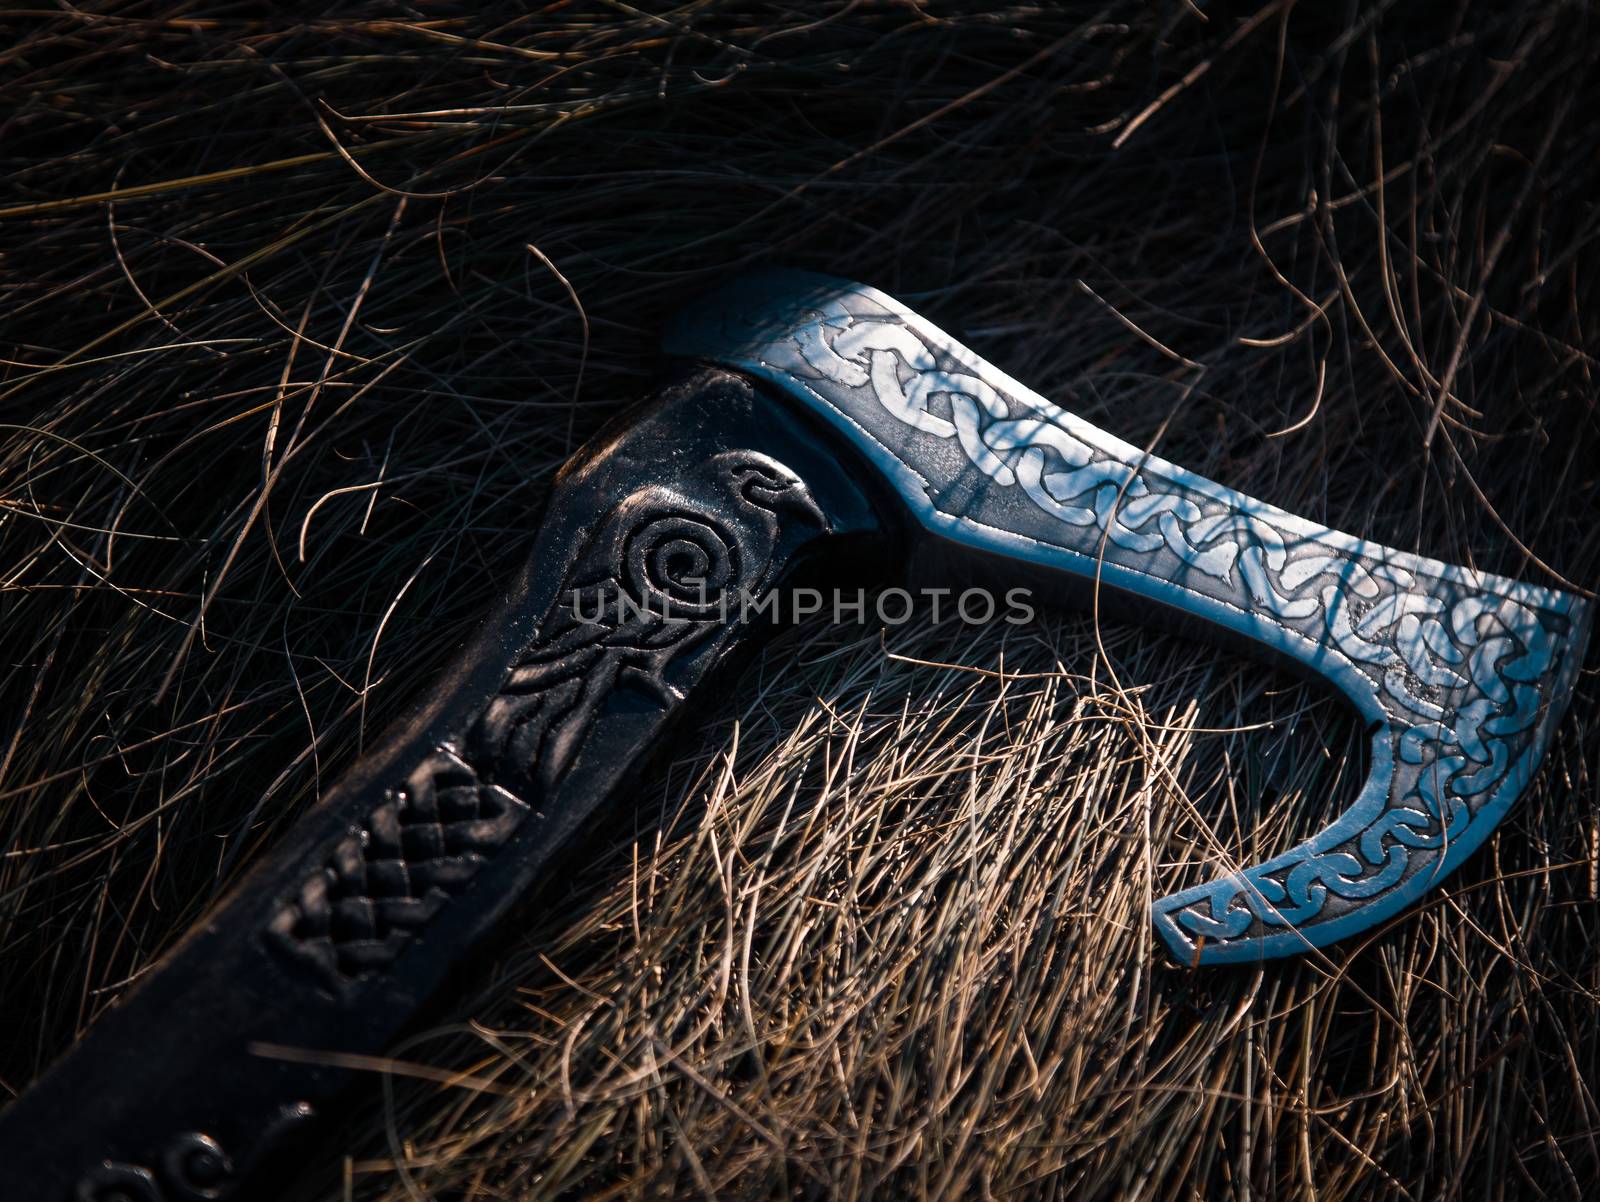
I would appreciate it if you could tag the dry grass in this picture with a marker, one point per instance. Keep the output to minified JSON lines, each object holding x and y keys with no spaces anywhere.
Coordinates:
{"x":300,"y":315}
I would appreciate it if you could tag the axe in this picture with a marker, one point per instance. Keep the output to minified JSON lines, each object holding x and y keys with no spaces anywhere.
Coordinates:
{"x":823,"y":431}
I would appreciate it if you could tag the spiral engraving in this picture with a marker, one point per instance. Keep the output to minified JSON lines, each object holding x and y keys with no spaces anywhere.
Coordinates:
{"x":198,"y":1168}
{"x":674,"y":552}
{"x":193,"y":1168}
{"x":643,"y":601}
{"x":680,"y":564}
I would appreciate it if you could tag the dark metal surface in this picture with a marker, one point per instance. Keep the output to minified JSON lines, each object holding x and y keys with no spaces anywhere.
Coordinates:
{"x":201,"y":1082}
{"x":891,"y":437}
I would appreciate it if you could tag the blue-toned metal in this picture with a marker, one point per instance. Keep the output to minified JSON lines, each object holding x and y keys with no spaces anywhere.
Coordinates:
{"x":721,"y":490}
{"x":1462,"y":675}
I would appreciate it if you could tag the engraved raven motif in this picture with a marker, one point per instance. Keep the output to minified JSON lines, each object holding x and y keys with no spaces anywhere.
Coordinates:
{"x":658,"y":580}
{"x":652,"y":590}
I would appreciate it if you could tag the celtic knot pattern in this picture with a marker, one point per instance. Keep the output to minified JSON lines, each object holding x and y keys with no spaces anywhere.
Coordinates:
{"x":638,"y":608}
{"x":384,"y":881}
{"x":1455,"y":669}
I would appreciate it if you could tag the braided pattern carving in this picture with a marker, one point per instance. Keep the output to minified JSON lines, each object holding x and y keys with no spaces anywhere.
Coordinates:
{"x":424,"y":842}
{"x":639,"y":608}
{"x":1462,"y":671}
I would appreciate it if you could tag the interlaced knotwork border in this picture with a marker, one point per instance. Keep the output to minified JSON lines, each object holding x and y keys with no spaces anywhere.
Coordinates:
{"x":1457,"y":667}
{"x":640,"y":607}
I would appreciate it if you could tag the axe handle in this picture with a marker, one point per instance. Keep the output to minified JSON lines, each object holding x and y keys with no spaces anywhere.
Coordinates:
{"x":196,"y":1085}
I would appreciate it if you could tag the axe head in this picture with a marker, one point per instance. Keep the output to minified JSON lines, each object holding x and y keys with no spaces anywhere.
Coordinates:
{"x":715,"y":493}
{"x":1462,"y":676}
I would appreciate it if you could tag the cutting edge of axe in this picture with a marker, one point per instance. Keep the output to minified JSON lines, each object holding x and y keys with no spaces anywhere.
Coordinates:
{"x":886,"y":442}
{"x":1462,"y":676}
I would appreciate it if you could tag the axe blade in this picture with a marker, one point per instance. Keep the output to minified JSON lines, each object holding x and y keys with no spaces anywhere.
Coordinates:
{"x":219,"y":1063}
{"x":1462,"y":676}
